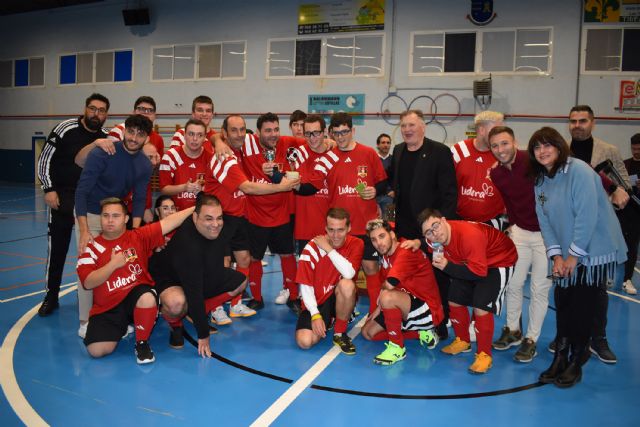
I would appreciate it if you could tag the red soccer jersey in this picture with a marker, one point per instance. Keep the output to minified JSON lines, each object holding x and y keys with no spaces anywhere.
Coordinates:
{"x":135,"y":272}
{"x":267,"y":210}
{"x":343,"y":170}
{"x":177,"y":168}
{"x":480,"y":247}
{"x":311,"y":211}
{"x":478,"y":198}
{"x":117,"y":134}
{"x":414,"y":272}
{"x":316,"y":269}
{"x":178,"y":139}
{"x":223,"y":181}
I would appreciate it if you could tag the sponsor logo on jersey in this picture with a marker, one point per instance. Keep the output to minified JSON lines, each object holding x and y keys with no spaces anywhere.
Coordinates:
{"x":487,"y":191}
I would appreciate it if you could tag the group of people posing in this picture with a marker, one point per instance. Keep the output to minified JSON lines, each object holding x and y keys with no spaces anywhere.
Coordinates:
{"x":469,"y":223}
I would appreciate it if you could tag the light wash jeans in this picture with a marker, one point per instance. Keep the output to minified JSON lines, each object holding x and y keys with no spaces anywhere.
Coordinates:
{"x":531,"y":256}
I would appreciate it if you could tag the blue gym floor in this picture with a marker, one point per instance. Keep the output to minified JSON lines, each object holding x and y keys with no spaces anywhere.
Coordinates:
{"x":259,"y":376}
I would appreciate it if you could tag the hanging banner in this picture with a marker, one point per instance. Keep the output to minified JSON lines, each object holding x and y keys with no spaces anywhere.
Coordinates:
{"x":329,"y":104}
{"x":341,"y":16}
{"x":612,"y":11}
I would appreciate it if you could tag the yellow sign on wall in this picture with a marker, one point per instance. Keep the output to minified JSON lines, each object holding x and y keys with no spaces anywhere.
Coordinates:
{"x":341,"y":16}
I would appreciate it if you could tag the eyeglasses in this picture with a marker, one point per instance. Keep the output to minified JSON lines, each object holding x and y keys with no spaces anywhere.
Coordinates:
{"x":145,"y":110}
{"x":315,"y":133}
{"x":429,"y":232}
{"x":96,"y":110}
{"x":344,"y":132}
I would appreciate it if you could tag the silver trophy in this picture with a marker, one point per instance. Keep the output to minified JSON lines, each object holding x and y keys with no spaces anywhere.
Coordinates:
{"x":269,"y":155}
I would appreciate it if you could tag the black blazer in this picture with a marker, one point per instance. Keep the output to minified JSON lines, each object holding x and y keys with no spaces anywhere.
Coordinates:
{"x":434,"y":179}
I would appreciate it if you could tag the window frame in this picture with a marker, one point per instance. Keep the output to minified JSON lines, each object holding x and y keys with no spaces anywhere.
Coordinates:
{"x":13,"y":72}
{"x":94,"y":54}
{"x":480,"y":46}
{"x":324,"y":38}
{"x":583,"y":49}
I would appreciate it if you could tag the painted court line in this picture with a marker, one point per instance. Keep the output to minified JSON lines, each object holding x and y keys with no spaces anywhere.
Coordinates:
{"x":292,"y":393}
{"x":8,"y":380}
{"x":35,"y":293}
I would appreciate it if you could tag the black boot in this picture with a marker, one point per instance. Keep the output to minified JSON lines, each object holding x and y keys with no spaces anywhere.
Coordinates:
{"x":573,"y":374}
{"x":49,"y":305}
{"x":559,"y":364}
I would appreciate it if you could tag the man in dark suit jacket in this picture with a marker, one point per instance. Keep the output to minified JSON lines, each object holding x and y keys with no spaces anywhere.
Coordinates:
{"x":422,"y":176}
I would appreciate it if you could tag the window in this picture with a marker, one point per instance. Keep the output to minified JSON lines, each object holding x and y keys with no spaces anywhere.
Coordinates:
{"x":611,"y":50}
{"x":517,"y":51}
{"x":26,"y":72}
{"x":512,"y":51}
{"x":196,"y":62}
{"x":339,"y":56}
{"x":96,"y":67}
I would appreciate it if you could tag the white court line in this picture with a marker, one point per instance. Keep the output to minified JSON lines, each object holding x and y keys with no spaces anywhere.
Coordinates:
{"x":623,"y":297}
{"x":8,"y":380}
{"x":35,"y":293}
{"x":292,"y":393}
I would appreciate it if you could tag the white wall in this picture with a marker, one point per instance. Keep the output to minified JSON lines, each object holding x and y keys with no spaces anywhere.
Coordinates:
{"x":100,"y":27}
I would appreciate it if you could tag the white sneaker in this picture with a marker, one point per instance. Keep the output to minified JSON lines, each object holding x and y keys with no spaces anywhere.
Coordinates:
{"x":219,"y":317}
{"x":472,"y":331}
{"x":283,"y":296}
{"x":241,"y":310}
{"x":130,"y":330}
{"x":628,"y":287}
{"x":82,"y":330}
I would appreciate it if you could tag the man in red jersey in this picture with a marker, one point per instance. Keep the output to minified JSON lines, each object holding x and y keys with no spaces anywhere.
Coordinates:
{"x":328,"y":265}
{"x":478,"y":198}
{"x":410,"y":305}
{"x":227,"y":181}
{"x":183,"y":168}
{"x":310,"y":210}
{"x":265,"y":161}
{"x":480,"y":260}
{"x":115,"y":266}
{"x":354,"y":175}
{"x":201,"y":109}
{"x":296,"y":123}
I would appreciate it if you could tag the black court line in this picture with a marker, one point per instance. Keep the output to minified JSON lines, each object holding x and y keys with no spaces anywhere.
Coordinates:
{"x":366,"y":393}
{"x":23,"y":238}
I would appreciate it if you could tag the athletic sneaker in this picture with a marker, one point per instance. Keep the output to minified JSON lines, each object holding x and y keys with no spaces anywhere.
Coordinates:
{"x":219,"y":317}
{"x":344,"y":342}
{"x":254,"y":304}
{"x":428,"y":339}
{"x":507,"y":339}
{"x":241,"y":310}
{"x":82,"y":330}
{"x":627,"y":286}
{"x":283,"y":296}
{"x":144,"y":354}
{"x":130,"y":330}
{"x":392,"y":354}
{"x":176,"y":338}
{"x":457,"y":346}
{"x":600,"y":347}
{"x":526,"y":352}
{"x":482,"y":363}
{"x":294,"y":306}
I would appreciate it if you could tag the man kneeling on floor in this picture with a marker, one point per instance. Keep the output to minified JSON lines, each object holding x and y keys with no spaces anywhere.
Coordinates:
{"x":190,"y":273}
{"x":115,"y":266}
{"x":409,"y":305}
{"x":327,"y":266}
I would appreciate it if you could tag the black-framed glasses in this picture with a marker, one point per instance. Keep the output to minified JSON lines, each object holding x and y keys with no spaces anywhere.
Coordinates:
{"x":343,"y":132}
{"x":315,"y":133}
{"x":429,"y":232}
{"x":96,"y":110}
{"x":145,"y":110}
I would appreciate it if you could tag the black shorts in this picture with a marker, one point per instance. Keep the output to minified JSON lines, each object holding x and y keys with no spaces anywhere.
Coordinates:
{"x":279,"y":239}
{"x":238,"y":229}
{"x":300,"y":244}
{"x":111,"y":325}
{"x":327,"y":309}
{"x":370,"y":253}
{"x":501,"y":222}
{"x":485,"y":294}
{"x":418,"y":319}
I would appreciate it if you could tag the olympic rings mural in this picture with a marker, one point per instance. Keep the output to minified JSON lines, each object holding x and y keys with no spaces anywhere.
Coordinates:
{"x":426,"y":103}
